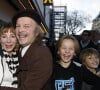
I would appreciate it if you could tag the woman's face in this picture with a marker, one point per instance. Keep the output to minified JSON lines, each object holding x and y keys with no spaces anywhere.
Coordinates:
{"x":66,"y":50}
{"x":8,"y":41}
{"x":92,"y":61}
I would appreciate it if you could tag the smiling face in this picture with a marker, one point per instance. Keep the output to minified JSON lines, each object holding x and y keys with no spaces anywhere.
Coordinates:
{"x":92,"y":61}
{"x":66,"y":50}
{"x":26,"y":31}
{"x":8,"y":40}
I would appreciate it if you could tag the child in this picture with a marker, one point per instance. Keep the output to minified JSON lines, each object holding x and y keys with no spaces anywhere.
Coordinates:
{"x":66,"y":74}
{"x":90,"y":62}
{"x":91,"y":59}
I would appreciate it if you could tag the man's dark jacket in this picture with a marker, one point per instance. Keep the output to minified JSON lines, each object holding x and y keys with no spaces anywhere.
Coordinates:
{"x":34,"y":69}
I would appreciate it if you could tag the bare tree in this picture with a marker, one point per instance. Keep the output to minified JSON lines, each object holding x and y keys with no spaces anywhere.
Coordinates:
{"x":76,"y":22}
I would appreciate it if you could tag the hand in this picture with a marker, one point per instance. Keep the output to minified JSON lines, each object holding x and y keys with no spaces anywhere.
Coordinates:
{"x":98,"y":73}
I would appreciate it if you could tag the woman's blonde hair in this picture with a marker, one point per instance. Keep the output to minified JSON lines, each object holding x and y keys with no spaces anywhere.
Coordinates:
{"x":6,"y":28}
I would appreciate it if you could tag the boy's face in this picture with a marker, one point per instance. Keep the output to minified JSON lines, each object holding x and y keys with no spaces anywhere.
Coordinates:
{"x":92,"y":61}
{"x":66,"y":50}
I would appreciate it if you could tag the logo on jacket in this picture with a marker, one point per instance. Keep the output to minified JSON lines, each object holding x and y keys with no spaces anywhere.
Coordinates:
{"x":64,"y":84}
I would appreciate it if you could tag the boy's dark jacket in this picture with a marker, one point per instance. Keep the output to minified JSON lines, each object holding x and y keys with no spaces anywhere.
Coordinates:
{"x":90,"y":79}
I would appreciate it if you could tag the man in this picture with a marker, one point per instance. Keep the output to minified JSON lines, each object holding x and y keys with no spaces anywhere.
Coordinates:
{"x":85,"y":41}
{"x":35,"y":63}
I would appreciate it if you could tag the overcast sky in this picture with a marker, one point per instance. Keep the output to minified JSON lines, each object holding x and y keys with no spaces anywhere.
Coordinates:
{"x":90,"y":7}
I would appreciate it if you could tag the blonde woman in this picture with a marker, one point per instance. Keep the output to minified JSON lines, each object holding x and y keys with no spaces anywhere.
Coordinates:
{"x":8,"y":57}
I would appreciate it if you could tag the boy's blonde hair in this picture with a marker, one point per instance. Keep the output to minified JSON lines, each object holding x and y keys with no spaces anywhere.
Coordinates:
{"x":69,"y":37}
{"x":88,"y":52}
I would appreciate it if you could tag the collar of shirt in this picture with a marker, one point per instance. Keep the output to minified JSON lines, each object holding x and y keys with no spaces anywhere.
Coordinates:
{"x":85,"y":43}
{"x":24,"y":50}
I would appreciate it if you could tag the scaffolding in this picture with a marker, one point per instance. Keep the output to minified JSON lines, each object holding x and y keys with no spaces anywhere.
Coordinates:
{"x":59,"y":21}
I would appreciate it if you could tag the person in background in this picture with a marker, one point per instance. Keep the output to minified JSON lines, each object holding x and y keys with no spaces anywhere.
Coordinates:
{"x":85,"y":41}
{"x":35,"y":61}
{"x":66,"y":74}
{"x":8,"y":57}
{"x":90,"y":71}
{"x":95,"y":38}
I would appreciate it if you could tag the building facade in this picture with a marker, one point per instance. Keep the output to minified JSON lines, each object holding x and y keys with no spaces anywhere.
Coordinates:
{"x":59,"y":21}
{"x":8,"y":8}
{"x":96,"y":23}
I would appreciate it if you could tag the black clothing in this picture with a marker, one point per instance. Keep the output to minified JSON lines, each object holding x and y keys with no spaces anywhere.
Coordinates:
{"x":66,"y":78}
{"x":27,"y":13}
{"x":89,"y":45}
{"x":86,"y":86}
{"x":82,"y":78}
{"x":91,"y":80}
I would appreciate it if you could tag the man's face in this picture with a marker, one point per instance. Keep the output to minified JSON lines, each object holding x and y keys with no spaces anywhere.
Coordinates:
{"x":85,"y":36}
{"x":26,"y":30}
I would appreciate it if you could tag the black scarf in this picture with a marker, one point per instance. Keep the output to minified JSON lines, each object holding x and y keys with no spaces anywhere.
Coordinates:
{"x":12,"y":62}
